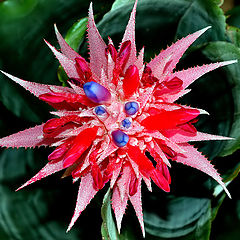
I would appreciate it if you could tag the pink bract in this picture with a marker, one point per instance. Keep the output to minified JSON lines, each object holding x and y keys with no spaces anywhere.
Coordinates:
{"x":82,"y":134}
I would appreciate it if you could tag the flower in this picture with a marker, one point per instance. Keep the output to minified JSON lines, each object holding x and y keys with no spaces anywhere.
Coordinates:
{"x":116,"y":109}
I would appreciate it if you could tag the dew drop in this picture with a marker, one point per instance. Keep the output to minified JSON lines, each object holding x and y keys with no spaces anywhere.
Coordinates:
{"x":131,"y":108}
{"x":120,"y":138}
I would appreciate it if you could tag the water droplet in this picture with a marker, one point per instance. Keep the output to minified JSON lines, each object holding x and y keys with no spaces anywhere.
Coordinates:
{"x":120,"y":138}
{"x":131,"y":108}
{"x":99,"y":110}
{"x":126,"y":123}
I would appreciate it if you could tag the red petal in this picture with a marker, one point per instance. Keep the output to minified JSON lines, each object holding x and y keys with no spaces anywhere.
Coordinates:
{"x":167,"y":150}
{"x":97,"y":177}
{"x":65,"y":100}
{"x":189,"y":128}
{"x":55,"y":123}
{"x":112,"y":50}
{"x":144,"y":164}
{"x":124,"y":54}
{"x":83,"y":69}
{"x":131,"y":81}
{"x":162,"y":167}
{"x":133,"y":186}
{"x":160,"y":180}
{"x":169,"y":119}
{"x":174,"y":84}
{"x":80,"y":144}
{"x":59,"y":152}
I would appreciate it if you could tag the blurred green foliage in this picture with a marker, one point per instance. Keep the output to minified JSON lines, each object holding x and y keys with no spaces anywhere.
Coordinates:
{"x":42,"y":211}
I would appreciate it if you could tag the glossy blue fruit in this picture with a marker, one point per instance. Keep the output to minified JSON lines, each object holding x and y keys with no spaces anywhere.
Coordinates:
{"x":126,"y":123}
{"x":131,"y":108}
{"x":96,"y":92}
{"x":120,"y":138}
{"x":100,"y":110}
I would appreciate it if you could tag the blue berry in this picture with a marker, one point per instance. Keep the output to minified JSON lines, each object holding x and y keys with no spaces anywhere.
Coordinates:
{"x":131,"y":108}
{"x":100,"y":110}
{"x":96,"y":92}
{"x":120,"y":138}
{"x":126,"y":123}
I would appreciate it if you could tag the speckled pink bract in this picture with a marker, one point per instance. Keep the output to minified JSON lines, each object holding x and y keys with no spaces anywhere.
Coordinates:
{"x":116,"y":109}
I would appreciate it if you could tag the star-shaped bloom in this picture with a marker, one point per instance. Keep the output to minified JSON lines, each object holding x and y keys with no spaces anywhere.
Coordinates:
{"x":115,"y":110}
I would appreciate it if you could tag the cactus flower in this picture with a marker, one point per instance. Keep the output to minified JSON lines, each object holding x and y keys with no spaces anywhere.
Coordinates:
{"x":115,"y":109}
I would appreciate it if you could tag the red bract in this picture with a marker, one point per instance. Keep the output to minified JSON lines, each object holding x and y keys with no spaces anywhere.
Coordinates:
{"x":107,"y":142}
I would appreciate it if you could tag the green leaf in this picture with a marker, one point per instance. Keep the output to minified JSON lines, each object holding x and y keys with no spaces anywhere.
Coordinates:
{"x":156,"y":23}
{"x":62,"y":76}
{"x":76,"y":34}
{"x":183,"y":216}
{"x":109,"y":230}
{"x":200,"y":14}
{"x":28,"y":214}
{"x":221,"y":51}
{"x":234,"y":17}
{"x":234,"y":35}
{"x":120,"y":3}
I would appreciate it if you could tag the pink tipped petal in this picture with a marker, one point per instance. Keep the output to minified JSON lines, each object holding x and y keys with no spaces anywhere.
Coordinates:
{"x":97,"y":46}
{"x":31,"y":137}
{"x":119,"y":206}
{"x":148,"y":183}
{"x":166,"y":61}
{"x":139,"y":62}
{"x":129,"y":35}
{"x":67,"y":64}
{"x":136,"y":201}
{"x":65,"y":48}
{"x":116,"y":172}
{"x":44,"y":172}
{"x":193,"y":158}
{"x":174,"y":97}
{"x":190,"y":75}
{"x":35,"y":88}
{"x":86,"y":193}
{"x":182,"y":137}
{"x":124,"y":181}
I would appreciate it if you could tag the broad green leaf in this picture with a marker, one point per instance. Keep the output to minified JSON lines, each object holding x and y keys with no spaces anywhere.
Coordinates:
{"x":120,"y":3}
{"x":182,"y":216}
{"x":44,"y":209}
{"x":220,"y":51}
{"x":156,"y":23}
{"x":200,"y":14}
{"x":25,"y":214}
